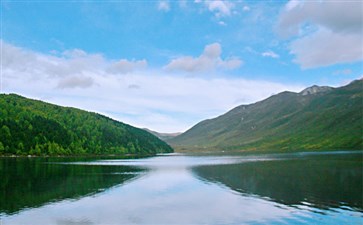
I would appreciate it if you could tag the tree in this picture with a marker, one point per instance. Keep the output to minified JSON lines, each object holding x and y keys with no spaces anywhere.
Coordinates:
{"x":37,"y":150}
{"x":2,"y":148}
{"x":6,"y":131}
{"x":21,"y":146}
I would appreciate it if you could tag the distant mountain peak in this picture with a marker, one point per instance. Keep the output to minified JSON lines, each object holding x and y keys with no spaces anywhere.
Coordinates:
{"x":315,"y":89}
{"x":162,"y":136}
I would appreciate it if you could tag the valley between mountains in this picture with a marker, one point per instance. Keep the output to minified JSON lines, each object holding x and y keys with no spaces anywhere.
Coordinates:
{"x":318,"y":118}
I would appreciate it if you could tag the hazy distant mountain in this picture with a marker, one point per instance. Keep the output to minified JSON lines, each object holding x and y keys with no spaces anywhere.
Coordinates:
{"x":162,"y":136}
{"x":34,"y":127}
{"x":316,"y":118}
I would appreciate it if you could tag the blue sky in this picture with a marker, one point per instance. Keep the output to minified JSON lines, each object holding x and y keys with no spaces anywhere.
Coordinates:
{"x":166,"y":65}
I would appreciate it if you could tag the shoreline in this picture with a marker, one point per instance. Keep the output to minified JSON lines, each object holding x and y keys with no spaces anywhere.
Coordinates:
{"x":73,"y":156}
{"x":243,"y":152}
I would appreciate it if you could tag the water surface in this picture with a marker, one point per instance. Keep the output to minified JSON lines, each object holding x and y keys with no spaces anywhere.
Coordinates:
{"x":179,"y":189}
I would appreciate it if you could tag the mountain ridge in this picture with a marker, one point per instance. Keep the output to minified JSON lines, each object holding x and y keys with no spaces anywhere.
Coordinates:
{"x":326,"y":119}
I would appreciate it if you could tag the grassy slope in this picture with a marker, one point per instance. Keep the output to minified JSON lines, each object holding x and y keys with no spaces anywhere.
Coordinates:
{"x":286,"y":121}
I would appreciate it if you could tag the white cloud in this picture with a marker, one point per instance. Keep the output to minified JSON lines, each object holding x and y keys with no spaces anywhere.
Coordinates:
{"x":75,"y":53}
{"x":71,"y":63}
{"x":38,"y":66}
{"x":246,"y":8}
{"x":75,"y":81}
{"x":324,"y":48}
{"x":149,"y":98}
{"x":326,"y":32}
{"x":220,"y":8}
{"x":164,"y":6}
{"x":270,"y":54}
{"x":292,"y":4}
{"x":126,"y":66}
{"x":322,"y":13}
{"x":209,"y":60}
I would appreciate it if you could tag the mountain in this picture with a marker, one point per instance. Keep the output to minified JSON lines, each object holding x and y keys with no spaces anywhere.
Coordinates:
{"x":315,"y":89}
{"x":38,"y":128}
{"x":162,"y":136}
{"x":316,"y":118}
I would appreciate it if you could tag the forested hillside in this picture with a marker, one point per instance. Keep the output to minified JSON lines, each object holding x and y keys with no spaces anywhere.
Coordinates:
{"x":38,"y":128}
{"x":317,"y":118}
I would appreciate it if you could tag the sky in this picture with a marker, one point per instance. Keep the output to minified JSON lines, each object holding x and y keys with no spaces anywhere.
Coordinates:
{"x":167,"y":65}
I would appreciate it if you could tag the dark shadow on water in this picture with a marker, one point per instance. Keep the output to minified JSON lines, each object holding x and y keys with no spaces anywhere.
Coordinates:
{"x":320,"y":182}
{"x":33,"y":182}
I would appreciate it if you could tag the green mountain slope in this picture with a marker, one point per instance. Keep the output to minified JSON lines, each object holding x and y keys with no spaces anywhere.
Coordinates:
{"x":34,"y":127}
{"x":317,"y":118}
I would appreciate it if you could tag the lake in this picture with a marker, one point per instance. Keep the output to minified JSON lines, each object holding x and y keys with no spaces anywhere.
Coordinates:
{"x":296,"y":188}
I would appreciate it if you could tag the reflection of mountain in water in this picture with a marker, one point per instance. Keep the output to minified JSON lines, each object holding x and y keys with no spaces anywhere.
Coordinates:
{"x":33,"y":182}
{"x":323,"y":181}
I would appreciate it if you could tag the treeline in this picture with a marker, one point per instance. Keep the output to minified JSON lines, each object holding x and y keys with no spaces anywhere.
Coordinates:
{"x":38,"y":128}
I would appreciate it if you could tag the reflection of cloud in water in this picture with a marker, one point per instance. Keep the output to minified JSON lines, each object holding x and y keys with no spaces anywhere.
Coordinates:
{"x":73,"y":222}
{"x":177,"y":162}
{"x":160,"y":197}
{"x":170,"y":194}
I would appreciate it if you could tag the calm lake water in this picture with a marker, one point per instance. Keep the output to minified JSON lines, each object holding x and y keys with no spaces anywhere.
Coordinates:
{"x":299,"y":188}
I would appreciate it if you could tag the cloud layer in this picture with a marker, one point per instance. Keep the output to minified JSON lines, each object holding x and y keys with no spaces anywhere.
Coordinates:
{"x":126,"y":66}
{"x":144,"y":98}
{"x":324,"y":48}
{"x":328,"y":32}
